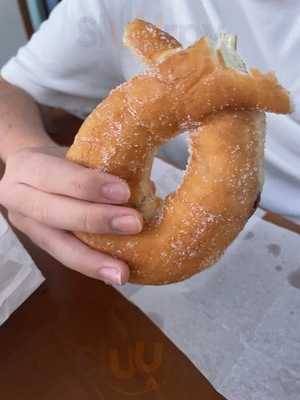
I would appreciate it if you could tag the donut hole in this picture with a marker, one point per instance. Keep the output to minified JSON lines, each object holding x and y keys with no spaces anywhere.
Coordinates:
{"x":176,"y":151}
{"x":168,"y":174}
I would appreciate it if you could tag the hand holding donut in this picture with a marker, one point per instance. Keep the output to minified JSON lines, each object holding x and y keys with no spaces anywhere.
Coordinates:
{"x":46,"y":196}
{"x":207,"y":90}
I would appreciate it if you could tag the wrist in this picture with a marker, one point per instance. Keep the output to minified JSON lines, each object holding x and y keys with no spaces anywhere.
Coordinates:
{"x":23,"y":141}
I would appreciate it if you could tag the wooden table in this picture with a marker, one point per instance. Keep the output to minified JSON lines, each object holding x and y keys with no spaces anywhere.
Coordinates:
{"x":76,"y":338}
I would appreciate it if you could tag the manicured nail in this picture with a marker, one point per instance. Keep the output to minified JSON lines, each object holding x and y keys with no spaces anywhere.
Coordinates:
{"x":110,"y":275}
{"x":126,"y":224}
{"x":116,"y":192}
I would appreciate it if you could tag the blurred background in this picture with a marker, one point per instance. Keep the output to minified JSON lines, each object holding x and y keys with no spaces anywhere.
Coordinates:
{"x":18,"y":20}
{"x":12,"y":30}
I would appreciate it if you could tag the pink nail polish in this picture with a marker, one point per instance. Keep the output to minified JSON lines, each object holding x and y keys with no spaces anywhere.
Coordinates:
{"x":110,"y":275}
{"x":115,"y":192}
{"x":126,"y":224}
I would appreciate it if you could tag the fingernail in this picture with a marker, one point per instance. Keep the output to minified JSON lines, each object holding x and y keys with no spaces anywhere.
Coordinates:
{"x":116,"y":192}
{"x":126,"y":224}
{"x":110,"y":275}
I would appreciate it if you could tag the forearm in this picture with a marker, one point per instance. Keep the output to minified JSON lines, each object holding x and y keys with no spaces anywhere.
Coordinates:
{"x":20,"y":121}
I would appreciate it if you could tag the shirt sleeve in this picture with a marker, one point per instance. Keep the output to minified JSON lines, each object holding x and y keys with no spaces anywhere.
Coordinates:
{"x":72,"y":61}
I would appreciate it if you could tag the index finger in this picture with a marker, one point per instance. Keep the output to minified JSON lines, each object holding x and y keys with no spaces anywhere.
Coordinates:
{"x":60,"y":176}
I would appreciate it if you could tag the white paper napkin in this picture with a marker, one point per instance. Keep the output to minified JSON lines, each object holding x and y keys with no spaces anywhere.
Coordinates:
{"x":238,"y":322}
{"x":19,"y":277}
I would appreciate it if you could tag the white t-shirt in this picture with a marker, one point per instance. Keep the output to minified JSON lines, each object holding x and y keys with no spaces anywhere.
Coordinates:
{"x":77,"y":57}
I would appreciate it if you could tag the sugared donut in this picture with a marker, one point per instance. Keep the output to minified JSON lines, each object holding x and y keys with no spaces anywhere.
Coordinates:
{"x":207,"y":90}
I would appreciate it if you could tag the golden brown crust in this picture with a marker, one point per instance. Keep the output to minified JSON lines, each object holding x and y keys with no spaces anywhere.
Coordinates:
{"x":150,"y":43}
{"x":191,"y":89}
